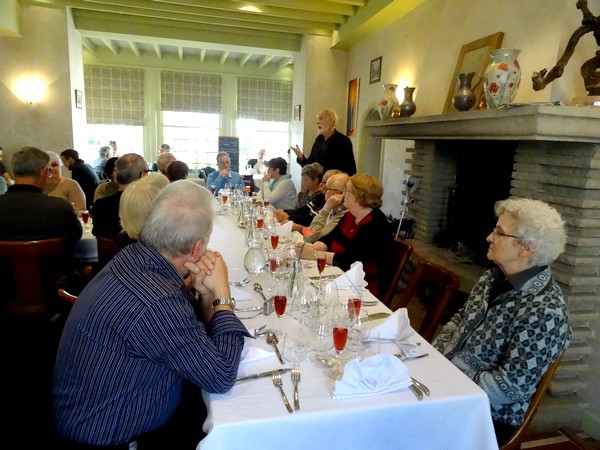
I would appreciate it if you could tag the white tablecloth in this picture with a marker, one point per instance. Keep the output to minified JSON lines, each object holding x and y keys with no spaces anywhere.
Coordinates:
{"x":252,"y":414}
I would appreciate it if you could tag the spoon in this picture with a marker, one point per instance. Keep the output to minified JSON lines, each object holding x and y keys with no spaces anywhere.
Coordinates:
{"x":273,"y":340}
{"x":268,"y":306}
{"x":241,"y":283}
{"x":258,"y":288}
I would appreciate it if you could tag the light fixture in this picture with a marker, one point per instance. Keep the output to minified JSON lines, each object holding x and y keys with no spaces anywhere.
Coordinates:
{"x":31,"y":90}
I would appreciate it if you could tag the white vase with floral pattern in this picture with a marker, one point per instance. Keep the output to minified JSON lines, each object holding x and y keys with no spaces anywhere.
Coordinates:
{"x":389,"y":102}
{"x":502,"y":77}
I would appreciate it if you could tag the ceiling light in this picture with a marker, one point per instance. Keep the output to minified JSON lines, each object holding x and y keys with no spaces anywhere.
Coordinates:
{"x":250,"y":8}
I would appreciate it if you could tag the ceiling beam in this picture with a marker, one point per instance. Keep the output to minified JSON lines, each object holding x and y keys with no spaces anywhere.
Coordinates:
{"x":157,"y":51}
{"x":111,"y":46}
{"x":223,"y":58}
{"x":134,"y":48}
{"x":87,"y":43}
{"x":285,"y":62}
{"x":244,"y":59}
{"x":202,"y":54}
{"x":264,"y":61}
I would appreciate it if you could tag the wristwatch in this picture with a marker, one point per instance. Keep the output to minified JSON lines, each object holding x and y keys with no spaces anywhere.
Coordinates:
{"x":225,"y":301}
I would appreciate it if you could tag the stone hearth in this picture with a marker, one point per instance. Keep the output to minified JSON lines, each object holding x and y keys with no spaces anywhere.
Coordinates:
{"x":557,"y":160}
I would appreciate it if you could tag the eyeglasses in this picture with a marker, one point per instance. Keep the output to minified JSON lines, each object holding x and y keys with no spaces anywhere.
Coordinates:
{"x":54,"y":164}
{"x":497,"y":233}
{"x":336,"y":190}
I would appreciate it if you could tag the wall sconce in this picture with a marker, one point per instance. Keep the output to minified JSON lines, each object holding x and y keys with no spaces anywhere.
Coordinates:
{"x":31,"y":90}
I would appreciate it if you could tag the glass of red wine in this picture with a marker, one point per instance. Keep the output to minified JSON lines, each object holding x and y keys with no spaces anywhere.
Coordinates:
{"x":274,"y":240}
{"x":280,"y":303}
{"x":213,"y":189}
{"x":341,"y":323}
{"x":321,"y":258}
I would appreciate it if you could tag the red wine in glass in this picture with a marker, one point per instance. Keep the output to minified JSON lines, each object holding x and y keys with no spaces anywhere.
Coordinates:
{"x":280,"y":302}
{"x":356,"y":301}
{"x":214,"y":190}
{"x":321,"y":262}
{"x":273,"y":265}
{"x":340,"y":336}
{"x":267,"y":202}
{"x":85,"y":216}
{"x":274,"y":241}
{"x":224,"y":199}
{"x":260,"y":223}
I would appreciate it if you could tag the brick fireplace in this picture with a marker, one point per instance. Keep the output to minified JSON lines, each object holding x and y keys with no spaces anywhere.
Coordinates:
{"x":557,"y":160}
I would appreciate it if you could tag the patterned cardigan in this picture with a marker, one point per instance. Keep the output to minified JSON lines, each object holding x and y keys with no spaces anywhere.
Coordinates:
{"x":506,"y":345}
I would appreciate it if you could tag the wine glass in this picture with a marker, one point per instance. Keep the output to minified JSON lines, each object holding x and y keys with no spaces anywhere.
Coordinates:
{"x":213,"y":189}
{"x":321,"y":258}
{"x":280,"y":302}
{"x":260,"y":218}
{"x":329,"y":295}
{"x":273,"y":263}
{"x":274,"y":240}
{"x":340,"y":323}
{"x":84,"y":214}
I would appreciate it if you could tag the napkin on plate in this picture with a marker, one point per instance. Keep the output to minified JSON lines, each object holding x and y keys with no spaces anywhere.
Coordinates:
{"x":239,"y":294}
{"x":397,"y":328}
{"x":377,"y":374}
{"x":284,"y":230}
{"x":353,"y":280}
{"x":252,"y":351}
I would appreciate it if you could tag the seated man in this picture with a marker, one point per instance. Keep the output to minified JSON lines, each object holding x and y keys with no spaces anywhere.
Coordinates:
{"x":515,"y":322}
{"x":82,"y":173}
{"x":163,"y":160}
{"x":105,"y":212}
{"x":133,"y":347}
{"x":224,"y":176}
{"x":310,"y":200}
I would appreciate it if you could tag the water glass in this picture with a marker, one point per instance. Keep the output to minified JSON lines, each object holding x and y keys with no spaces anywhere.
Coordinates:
{"x":294,"y":350}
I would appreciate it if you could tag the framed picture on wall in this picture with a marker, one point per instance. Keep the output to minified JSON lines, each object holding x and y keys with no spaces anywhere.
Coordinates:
{"x":78,"y":99}
{"x":352,"y":115}
{"x":375,"y":72}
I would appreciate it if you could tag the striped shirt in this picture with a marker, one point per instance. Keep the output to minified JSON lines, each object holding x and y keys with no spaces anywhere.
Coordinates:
{"x":130,"y":340}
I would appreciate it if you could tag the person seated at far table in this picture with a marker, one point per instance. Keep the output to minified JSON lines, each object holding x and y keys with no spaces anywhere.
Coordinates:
{"x":133,"y":354}
{"x":104,"y":154}
{"x":134,"y":206}
{"x":82,"y":173}
{"x":331,"y":213}
{"x":4,"y":174}
{"x":515,"y":322}
{"x":310,"y":200}
{"x":163,"y":160}
{"x":3,"y":186}
{"x":105,"y":212}
{"x":277,"y":186}
{"x":363,"y":234}
{"x":109,"y":185}
{"x":177,"y":170}
{"x":224,"y":175}
{"x":61,"y":187}
{"x":164,"y":148}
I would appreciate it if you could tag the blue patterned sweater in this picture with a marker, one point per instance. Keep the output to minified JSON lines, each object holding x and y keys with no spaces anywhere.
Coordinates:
{"x":506,"y":345}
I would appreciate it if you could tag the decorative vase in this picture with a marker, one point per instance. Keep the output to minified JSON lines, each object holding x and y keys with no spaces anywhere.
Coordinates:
{"x":464,"y":99}
{"x":502,"y":77}
{"x":389,"y":102}
{"x":408,"y":107}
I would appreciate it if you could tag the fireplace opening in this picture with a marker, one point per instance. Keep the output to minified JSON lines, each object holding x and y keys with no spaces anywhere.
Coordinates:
{"x":483,"y":176}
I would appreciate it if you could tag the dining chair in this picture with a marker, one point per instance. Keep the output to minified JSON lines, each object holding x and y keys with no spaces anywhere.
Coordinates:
{"x":29,"y":263}
{"x":402,"y":251}
{"x":514,"y":442}
{"x":105,"y":251}
{"x":434,"y":286}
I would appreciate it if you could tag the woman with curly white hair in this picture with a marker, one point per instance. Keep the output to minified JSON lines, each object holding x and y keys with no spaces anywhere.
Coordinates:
{"x":515,"y":323}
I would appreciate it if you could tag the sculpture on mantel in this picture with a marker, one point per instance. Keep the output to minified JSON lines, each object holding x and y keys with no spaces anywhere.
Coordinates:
{"x":589,"y":69}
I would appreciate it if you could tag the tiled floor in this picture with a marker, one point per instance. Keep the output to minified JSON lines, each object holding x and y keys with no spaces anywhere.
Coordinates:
{"x":564,"y":439}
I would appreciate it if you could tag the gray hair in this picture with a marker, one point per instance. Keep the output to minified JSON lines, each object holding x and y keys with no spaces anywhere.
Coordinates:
{"x":130,"y":167}
{"x":29,"y":161}
{"x":163,"y":160}
{"x":179,"y":216}
{"x":338,"y":181}
{"x":313,"y":171}
{"x":104,"y":151}
{"x":332,"y":115}
{"x":135,"y":202}
{"x":538,"y":225}
{"x":55,"y":157}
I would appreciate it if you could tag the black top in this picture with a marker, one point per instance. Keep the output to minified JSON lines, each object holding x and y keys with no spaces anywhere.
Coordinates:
{"x":87,"y":179}
{"x":105,"y":213}
{"x":333,"y":153}
{"x":304,"y":215}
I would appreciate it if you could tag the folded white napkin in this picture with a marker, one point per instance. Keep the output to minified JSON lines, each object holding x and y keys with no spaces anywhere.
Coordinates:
{"x":253,"y":352}
{"x":353,"y":280}
{"x":239,"y":294}
{"x":397,"y":328}
{"x":377,"y":374}
{"x":284,"y":230}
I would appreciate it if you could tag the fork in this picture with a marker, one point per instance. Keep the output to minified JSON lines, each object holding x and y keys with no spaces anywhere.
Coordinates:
{"x":279,"y":383}
{"x":296,"y":380}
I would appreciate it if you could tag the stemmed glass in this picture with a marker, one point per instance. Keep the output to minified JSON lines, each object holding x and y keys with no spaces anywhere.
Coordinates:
{"x":280,"y":302}
{"x":273,"y":263}
{"x":85,"y":218}
{"x":341,"y":323}
{"x":321,"y":258}
{"x":274,"y":240}
{"x":329,"y":295}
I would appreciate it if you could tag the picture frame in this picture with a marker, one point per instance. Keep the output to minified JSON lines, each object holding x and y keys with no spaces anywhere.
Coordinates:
{"x":352,"y":114}
{"x":474,"y":57}
{"x":297,"y":112}
{"x":78,"y":99}
{"x":375,"y":72}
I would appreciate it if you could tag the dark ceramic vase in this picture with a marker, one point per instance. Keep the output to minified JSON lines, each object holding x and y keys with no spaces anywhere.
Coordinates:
{"x":464,"y":99}
{"x":408,"y":107}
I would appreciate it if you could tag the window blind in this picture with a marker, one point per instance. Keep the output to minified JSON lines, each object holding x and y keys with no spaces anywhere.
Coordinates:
{"x":266,"y":100}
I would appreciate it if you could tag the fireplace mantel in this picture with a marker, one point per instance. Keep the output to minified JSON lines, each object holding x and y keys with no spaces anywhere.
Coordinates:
{"x":518,"y":123}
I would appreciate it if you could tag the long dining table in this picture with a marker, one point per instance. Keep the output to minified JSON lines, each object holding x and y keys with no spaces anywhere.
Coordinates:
{"x":252,"y":415}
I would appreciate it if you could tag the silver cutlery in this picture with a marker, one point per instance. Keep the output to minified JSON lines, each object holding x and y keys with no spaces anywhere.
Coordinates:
{"x":240,"y":283}
{"x":296,"y":380}
{"x":421,"y":386}
{"x":404,"y":357}
{"x":324,"y":277}
{"x":268,"y":305}
{"x":249,"y":309}
{"x":273,"y":340}
{"x":378,"y":316}
{"x":279,"y":383}
{"x":269,"y":373}
{"x":418,"y":393}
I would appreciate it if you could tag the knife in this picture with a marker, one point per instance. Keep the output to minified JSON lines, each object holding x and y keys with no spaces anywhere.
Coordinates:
{"x":324,"y":277}
{"x":263,"y":374}
{"x":249,"y":309}
{"x":377,"y":316}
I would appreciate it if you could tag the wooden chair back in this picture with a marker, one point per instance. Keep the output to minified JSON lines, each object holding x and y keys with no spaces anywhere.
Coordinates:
{"x":439,"y":284}
{"x":514,"y":442}
{"x":105,"y":251}
{"x":26,"y":262}
{"x":402,"y":252}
